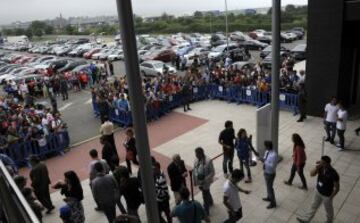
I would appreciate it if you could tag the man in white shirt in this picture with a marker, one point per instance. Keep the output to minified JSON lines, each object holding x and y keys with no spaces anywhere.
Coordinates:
{"x":342,"y":117}
{"x":231,"y":196}
{"x":270,"y":162}
{"x":330,"y":118}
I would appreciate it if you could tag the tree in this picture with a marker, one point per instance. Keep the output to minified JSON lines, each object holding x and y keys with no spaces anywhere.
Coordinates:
{"x":198,"y":14}
{"x":290,"y":8}
{"x":69,"y":30}
{"x":38,"y":32}
{"x":49,"y":30}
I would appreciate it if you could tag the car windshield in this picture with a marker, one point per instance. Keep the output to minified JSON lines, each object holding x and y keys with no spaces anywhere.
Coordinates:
{"x":158,"y":65}
{"x":300,"y":47}
{"x":219,"y":48}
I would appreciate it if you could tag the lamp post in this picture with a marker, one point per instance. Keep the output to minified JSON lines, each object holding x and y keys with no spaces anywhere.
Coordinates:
{"x":226,"y":26}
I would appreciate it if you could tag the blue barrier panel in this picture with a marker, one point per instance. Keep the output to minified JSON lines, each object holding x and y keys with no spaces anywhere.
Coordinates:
{"x":288,"y":101}
{"x":20,"y":151}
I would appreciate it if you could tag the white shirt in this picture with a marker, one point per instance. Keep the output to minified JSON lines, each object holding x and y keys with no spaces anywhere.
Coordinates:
{"x":342,"y":114}
{"x":232,"y":194}
{"x":331,"y":112}
{"x":270,"y":161}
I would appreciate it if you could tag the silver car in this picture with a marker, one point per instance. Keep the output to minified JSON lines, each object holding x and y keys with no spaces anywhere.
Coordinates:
{"x":155,"y":68}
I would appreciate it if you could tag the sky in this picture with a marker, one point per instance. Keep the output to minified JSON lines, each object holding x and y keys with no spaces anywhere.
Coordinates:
{"x":28,"y":10}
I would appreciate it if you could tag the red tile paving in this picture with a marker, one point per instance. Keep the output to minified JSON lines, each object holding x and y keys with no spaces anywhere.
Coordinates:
{"x":160,"y":132}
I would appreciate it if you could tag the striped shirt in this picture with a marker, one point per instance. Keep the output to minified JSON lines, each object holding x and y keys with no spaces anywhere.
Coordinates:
{"x":161,"y":188}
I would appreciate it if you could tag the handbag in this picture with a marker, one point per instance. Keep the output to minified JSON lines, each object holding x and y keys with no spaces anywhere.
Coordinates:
{"x":130,"y":155}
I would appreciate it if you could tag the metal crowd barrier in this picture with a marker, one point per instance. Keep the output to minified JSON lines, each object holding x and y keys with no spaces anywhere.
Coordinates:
{"x":232,"y":93}
{"x":20,"y":151}
{"x":13,"y":206}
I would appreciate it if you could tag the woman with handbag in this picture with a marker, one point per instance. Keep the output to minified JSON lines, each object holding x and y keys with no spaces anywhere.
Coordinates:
{"x":130,"y":146}
{"x":243,"y":148}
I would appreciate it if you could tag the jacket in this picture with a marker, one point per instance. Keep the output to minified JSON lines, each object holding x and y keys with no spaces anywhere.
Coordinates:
{"x":39,"y":176}
{"x":203,"y":173}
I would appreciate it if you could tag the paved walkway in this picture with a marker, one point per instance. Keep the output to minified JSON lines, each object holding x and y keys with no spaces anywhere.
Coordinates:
{"x":170,"y":135}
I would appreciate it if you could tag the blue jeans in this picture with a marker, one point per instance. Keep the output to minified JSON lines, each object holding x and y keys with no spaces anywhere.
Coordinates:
{"x":330,"y":128}
{"x":269,"y":180}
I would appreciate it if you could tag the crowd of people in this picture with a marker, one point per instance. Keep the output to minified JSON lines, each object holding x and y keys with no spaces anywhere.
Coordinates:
{"x":109,"y":181}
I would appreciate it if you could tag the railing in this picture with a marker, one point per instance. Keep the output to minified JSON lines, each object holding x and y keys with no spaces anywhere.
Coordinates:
{"x":13,"y":206}
{"x":232,"y":93}
{"x":20,"y":151}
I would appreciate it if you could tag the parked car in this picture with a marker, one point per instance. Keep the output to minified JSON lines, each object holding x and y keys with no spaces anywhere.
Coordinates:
{"x":253,"y":45}
{"x":163,"y":55}
{"x":240,"y":65}
{"x":218,"y":52}
{"x":71,"y":65}
{"x":299,"y":52}
{"x":89,"y":54}
{"x":268,"y":50}
{"x":155,"y":68}
{"x":116,"y":55}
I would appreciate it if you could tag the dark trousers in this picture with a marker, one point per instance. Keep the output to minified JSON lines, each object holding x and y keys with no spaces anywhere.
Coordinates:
{"x":186,"y":103}
{"x":330,"y":128}
{"x":269,"y":180}
{"x":245,"y":162}
{"x":64,"y":94}
{"x":208,"y":200}
{"x":341,"y":138}
{"x":43,"y":195}
{"x":228,"y":161}
{"x":109,"y":211}
{"x":302,"y":109}
{"x":300,"y":171}
{"x":234,"y":216}
{"x":120,"y":206}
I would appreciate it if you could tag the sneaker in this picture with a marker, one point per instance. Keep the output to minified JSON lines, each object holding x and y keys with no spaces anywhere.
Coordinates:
{"x":300,"y":120}
{"x":248,"y":181}
{"x":303,"y":188}
{"x":327,"y":139}
{"x":270,"y":206}
{"x":287,"y":183}
{"x":332,"y":142}
{"x":338,"y":145}
{"x":226,"y":175}
{"x":300,"y":220}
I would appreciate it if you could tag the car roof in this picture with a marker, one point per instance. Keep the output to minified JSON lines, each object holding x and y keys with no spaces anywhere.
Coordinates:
{"x":153,"y":61}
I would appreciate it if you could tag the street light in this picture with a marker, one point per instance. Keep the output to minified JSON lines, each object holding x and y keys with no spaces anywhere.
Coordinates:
{"x":226,"y":27}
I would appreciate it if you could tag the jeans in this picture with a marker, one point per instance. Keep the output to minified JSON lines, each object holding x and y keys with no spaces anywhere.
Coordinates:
{"x":228,"y":161}
{"x":341,"y":138}
{"x":234,"y":216}
{"x":330,"y":128}
{"x":269,"y":180}
{"x":245,"y":162}
{"x":300,"y":171}
{"x":208,"y":200}
{"x":318,"y":199}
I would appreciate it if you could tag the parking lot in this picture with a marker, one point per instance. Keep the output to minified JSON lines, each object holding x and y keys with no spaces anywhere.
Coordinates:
{"x":77,"y":111}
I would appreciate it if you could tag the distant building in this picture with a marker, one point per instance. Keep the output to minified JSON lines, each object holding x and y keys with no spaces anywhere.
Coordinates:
{"x":249,"y":11}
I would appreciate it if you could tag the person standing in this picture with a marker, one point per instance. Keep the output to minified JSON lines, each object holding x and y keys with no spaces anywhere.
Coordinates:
{"x":302,"y":100}
{"x":226,"y":139}
{"x":243,"y":148}
{"x":231,"y":196}
{"x":189,"y":211}
{"x":186,"y":93}
{"x":109,"y":154}
{"x":330,"y":118}
{"x":203,"y":176}
{"x":72,"y":190}
{"x":107,"y":131}
{"x":177,"y":173}
{"x":130,"y":147}
{"x":40,"y":182}
{"x":328,"y":185}
{"x":342,"y":117}
{"x":104,"y":108}
{"x":104,"y":188}
{"x":64,"y":88}
{"x":299,"y":159}
{"x":162,"y":193}
{"x":270,"y":162}
{"x":130,"y":187}
{"x":92,"y":172}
